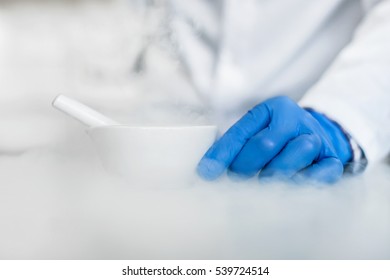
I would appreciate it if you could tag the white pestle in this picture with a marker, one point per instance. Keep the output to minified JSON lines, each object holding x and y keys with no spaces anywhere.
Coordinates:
{"x":81,"y":112}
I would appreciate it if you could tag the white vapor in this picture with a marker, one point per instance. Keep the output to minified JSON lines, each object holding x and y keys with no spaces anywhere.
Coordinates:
{"x":57,"y":202}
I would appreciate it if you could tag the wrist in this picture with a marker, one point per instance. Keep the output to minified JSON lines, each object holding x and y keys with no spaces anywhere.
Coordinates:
{"x":347,"y":149}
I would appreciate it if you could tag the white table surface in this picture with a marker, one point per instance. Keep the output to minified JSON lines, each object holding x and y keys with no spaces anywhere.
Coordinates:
{"x":56,"y":202}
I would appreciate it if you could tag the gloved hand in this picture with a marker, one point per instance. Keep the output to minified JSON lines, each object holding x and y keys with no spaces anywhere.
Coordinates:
{"x":277,"y":138}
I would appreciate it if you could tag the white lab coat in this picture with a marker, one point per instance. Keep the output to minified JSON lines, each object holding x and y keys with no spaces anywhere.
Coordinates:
{"x":331,"y":55}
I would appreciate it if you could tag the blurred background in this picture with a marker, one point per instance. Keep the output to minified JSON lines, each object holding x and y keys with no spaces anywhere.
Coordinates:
{"x":114,"y":55}
{"x":56,"y":202}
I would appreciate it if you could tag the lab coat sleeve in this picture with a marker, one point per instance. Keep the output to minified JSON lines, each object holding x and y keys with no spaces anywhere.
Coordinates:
{"x":355,"y":91}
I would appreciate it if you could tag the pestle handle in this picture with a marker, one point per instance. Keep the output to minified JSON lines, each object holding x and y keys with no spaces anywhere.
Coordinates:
{"x":81,"y":112}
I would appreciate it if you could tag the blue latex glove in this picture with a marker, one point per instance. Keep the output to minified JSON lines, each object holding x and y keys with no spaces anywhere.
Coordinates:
{"x":277,"y":138}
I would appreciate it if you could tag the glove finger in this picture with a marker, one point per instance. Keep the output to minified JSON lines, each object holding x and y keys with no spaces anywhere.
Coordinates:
{"x":259,"y":150}
{"x":298,"y":154}
{"x":327,"y":170}
{"x":222,"y":153}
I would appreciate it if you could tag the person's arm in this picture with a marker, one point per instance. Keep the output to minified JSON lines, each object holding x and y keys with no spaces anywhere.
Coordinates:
{"x":355,"y":91}
{"x":343,"y":117}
